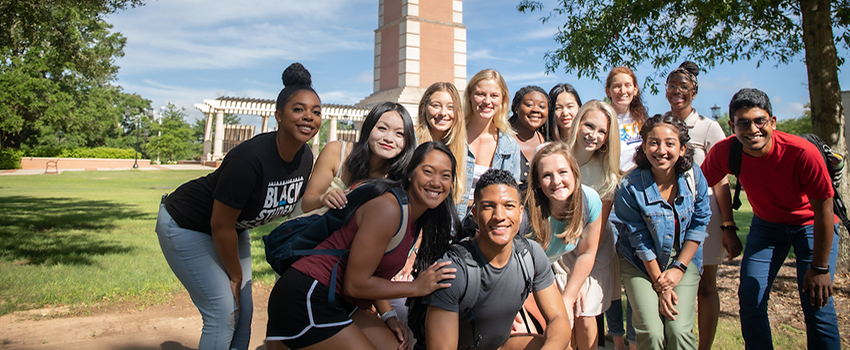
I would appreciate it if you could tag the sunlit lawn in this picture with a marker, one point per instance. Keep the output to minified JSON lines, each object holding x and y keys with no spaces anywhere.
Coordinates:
{"x":83,"y":238}
{"x":88,"y":237}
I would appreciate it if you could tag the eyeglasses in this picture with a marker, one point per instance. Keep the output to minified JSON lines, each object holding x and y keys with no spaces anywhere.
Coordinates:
{"x":745,"y":123}
{"x":674,"y":87}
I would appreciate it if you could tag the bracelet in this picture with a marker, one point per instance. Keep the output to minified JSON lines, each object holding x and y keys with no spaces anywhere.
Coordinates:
{"x":386,"y":316}
{"x":729,"y":227}
{"x":679,"y":265}
{"x":820,"y":270}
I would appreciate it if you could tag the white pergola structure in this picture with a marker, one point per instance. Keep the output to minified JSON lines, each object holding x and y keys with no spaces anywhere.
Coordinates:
{"x":213,"y":141}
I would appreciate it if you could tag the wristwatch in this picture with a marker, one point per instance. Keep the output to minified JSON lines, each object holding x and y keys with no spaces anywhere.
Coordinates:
{"x":681,"y":266}
{"x":820,"y":270}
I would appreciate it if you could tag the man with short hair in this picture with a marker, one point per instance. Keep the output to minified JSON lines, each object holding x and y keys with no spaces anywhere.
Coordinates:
{"x":503,"y":273}
{"x":790,"y":190}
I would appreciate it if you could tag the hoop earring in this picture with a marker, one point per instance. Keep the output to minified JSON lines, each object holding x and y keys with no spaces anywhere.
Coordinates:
{"x":604,"y":148}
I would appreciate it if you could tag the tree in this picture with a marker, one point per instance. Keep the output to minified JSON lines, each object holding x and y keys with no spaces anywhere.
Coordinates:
{"x":56,"y":62}
{"x":600,"y":34}
{"x":797,"y":126}
{"x":172,"y":140}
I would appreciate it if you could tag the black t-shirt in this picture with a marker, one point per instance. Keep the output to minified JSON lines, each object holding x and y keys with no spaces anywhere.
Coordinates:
{"x":252,"y":178}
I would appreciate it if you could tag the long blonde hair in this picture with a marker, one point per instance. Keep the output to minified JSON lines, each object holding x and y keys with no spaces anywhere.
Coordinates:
{"x":455,"y":138}
{"x":501,"y":119}
{"x":537,"y":203}
{"x":609,"y":154}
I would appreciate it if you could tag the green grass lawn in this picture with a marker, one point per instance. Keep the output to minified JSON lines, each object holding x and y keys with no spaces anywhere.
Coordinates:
{"x":81,"y":238}
{"x":86,"y":238}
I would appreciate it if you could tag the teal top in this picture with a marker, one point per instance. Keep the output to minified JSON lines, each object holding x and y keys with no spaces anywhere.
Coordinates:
{"x":593,"y":207}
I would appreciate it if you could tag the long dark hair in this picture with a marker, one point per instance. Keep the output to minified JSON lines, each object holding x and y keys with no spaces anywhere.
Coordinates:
{"x":357,"y":162}
{"x":435,"y":224}
{"x":686,"y":159}
{"x":557,"y":90}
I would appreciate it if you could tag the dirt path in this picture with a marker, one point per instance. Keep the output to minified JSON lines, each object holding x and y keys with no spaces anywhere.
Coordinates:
{"x":172,"y":326}
{"x":177,"y":325}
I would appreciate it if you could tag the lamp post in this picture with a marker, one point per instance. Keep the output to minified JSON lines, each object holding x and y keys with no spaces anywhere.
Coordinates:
{"x":715,"y":112}
{"x":138,"y":126}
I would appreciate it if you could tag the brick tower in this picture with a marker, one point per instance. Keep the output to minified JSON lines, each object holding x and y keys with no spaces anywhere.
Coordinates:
{"x":417,"y":43}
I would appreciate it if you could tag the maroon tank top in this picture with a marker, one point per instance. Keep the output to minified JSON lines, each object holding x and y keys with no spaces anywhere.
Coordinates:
{"x":319,"y":266}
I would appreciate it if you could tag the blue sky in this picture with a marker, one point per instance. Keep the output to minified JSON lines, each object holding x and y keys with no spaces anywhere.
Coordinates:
{"x":185,"y":51}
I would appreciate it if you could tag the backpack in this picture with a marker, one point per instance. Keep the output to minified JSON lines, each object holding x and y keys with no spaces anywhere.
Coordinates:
{"x":297,"y":237}
{"x":834,"y":164}
{"x":464,"y":249}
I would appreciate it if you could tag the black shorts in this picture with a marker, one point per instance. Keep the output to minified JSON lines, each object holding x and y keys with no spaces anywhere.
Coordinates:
{"x":300,"y":314}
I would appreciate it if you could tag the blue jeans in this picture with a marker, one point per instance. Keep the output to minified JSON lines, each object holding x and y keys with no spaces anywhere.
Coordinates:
{"x":767,"y":247}
{"x":193,"y":258}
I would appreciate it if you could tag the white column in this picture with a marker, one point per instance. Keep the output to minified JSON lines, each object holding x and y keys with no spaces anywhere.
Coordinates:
{"x":207,"y":138}
{"x":265,"y":124}
{"x":332,"y":129}
{"x":219,"y":135}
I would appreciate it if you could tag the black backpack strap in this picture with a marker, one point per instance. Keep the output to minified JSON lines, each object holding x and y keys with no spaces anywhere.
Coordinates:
{"x":736,"y":151}
{"x":522,"y":251}
{"x":467,"y":301}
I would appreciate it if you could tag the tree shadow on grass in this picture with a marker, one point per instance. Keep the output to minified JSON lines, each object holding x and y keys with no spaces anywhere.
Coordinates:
{"x":50,"y":231}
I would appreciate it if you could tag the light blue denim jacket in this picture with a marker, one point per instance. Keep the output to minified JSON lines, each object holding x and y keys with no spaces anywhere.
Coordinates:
{"x":506,"y":157}
{"x":648,"y":229}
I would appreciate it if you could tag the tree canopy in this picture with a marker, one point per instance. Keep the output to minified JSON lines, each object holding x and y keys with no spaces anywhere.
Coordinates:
{"x":57,"y":59}
{"x":598,"y":35}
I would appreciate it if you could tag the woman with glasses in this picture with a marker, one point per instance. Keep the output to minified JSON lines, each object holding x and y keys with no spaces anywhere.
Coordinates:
{"x":682,"y":88}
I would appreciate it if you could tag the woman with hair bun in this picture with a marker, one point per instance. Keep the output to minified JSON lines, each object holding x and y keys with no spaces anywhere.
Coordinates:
{"x":681,"y":89}
{"x":663,"y":205}
{"x":203,"y":225}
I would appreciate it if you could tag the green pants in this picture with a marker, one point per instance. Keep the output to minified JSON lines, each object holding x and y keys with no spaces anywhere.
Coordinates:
{"x":652,"y":330}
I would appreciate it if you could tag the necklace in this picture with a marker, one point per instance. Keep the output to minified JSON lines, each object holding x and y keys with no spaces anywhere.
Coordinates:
{"x":535,"y":136}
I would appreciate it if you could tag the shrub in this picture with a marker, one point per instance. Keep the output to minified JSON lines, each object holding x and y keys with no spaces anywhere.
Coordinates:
{"x":80,"y":152}
{"x":98,"y":152}
{"x":10,"y":158}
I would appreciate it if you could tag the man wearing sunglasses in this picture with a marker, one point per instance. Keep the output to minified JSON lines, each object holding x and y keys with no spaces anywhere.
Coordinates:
{"x":790,"y":191}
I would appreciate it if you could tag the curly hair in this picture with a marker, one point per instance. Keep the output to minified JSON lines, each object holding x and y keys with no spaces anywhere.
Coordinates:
{"x":686,"y":159}
{"x":517,"y":101}
{"x":690,"y":70}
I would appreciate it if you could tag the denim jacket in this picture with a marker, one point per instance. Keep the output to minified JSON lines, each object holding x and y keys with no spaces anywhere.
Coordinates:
{"x":648,"y":229}
{"x":506,"y":157}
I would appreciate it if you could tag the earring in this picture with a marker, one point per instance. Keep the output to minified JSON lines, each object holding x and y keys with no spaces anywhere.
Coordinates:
{"x":604,"y":148}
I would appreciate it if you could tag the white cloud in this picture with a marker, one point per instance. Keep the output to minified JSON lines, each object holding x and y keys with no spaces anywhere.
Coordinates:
{"x":365,"y":76}
{"x":191,"y":34}
{"x":791,"y":110}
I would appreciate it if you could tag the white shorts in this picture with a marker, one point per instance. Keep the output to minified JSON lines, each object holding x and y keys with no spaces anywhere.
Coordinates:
{"x":712,"y":248}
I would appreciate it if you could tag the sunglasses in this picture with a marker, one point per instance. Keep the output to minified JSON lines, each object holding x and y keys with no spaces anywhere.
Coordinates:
{"x":745,"y":123}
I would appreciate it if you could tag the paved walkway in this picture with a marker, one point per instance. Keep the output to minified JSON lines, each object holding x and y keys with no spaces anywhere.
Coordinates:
{"x":152,"y":167}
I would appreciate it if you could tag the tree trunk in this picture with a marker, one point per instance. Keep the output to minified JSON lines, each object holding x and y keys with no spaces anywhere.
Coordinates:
{"x":825,"y":93}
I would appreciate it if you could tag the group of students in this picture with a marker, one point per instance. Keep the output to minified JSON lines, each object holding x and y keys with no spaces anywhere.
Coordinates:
{"x":520,"y":231}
